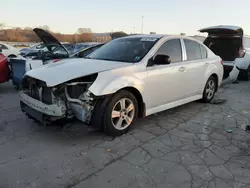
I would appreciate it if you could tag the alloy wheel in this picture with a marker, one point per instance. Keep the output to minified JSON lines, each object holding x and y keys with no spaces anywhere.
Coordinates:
{"x":123,"y":114}
{"x":210,"y":89}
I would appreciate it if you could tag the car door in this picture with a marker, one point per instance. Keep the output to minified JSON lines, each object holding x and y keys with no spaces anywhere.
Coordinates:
{"x":196,"y":63}
{"x":166,"y":83}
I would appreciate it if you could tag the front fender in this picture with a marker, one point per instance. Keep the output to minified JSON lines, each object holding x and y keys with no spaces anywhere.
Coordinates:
{"x":106,"y":84}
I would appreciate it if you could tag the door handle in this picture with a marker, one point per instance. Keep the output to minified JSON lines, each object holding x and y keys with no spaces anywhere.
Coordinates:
{"x":182,"y":69}
{"x":206,"y":64}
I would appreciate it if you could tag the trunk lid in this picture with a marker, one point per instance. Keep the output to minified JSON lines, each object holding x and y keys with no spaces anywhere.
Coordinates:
{"x":223,"y":30}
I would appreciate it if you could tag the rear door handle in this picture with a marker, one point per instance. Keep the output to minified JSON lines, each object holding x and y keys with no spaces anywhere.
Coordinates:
{"x":206,"y":64}
{"x":182,"y":69}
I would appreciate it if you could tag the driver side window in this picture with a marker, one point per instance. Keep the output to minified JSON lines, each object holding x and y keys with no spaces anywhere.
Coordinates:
{"x":171,"y":48}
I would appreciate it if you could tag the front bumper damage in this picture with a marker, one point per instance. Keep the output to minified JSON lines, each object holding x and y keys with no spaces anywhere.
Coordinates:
{"x":57,"y":110}
{"x":69,"y":108}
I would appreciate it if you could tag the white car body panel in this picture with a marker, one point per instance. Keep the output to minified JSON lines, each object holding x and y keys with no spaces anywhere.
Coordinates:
{"x":10,"y":51}
{"x":161,"y":87}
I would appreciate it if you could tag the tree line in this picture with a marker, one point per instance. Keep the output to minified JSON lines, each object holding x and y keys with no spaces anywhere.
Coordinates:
{"x":27,"y":35}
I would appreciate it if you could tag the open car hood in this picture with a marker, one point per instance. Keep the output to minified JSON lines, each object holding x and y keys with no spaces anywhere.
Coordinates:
{"x":48,"y":39}
{"x":222,"y":29}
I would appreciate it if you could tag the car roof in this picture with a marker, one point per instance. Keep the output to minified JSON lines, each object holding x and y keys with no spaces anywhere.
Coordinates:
{"x":145,"y":36}
{"x":158,"y":36}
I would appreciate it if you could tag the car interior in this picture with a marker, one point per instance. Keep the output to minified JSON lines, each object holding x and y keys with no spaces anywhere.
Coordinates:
{"x":227,"y":47}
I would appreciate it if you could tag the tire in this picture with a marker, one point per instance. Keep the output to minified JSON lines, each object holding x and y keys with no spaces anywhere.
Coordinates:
{"x":123,"y":117}
{"x":209,"y":90}
{"x":245,"y":74}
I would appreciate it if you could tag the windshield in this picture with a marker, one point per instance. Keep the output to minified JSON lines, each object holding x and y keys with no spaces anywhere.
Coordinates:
{"x":130,"y":50}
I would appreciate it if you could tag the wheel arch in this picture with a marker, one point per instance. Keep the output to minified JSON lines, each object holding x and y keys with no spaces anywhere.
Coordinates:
{"x":216,"y":79}
{"x":139,"y":98}
{"x":11,"y":55}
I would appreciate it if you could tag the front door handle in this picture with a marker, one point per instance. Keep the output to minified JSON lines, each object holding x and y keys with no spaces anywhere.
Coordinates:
{"x":182,"y":69}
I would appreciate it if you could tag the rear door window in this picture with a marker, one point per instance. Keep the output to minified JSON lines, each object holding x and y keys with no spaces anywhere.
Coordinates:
{"x":193,"y":50}
{"x":171,"y":48}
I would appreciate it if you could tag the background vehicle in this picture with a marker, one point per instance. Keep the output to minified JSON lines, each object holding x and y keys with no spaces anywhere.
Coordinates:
{"x":232,"y":46}
{"x":33,"y":50}
{"x":83,"y":45}
{"x":8,"y":50}
{"x":4,"y":69}
{"x":126,"y":78}
{"x":86,"y":51}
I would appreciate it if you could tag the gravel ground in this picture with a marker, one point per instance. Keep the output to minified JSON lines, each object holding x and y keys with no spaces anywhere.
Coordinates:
{"x":189,"y":146}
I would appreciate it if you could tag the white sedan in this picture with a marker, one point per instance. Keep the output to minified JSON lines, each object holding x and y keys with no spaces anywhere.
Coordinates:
{"x":127,"y":78}
{"x":8,"y":50}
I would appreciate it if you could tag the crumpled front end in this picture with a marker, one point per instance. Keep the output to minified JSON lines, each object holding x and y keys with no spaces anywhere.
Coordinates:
{"x":65,"y":101}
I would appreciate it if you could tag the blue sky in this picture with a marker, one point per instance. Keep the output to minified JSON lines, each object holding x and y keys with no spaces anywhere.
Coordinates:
{"x":161,"y":16}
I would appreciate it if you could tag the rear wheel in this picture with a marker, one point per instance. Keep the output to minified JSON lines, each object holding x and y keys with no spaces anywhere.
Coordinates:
{"x":245,"y":74}
{"x":209,"y":90}
{"x":120,"y":113}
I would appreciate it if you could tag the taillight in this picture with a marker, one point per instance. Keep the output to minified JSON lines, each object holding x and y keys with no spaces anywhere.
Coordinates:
{"x":55,"y":60}
{"x":221,"y":62}
{"x":242,"y":52}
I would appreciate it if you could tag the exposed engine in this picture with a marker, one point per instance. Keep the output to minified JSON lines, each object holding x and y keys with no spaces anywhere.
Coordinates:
{"x":73,"y":95}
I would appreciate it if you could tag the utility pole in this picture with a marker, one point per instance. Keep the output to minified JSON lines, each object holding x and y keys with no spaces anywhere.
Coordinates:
{"x":142,"y":24}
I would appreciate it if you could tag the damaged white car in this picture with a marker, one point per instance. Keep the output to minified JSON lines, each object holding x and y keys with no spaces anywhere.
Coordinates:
{"x":125,"y":79}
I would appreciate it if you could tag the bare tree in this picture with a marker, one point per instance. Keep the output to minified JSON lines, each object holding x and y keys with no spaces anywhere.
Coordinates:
{"x":84,"y":30}
{"x":44,"y":27}
{"x":28,"y":28}
{"x":2,"y":25}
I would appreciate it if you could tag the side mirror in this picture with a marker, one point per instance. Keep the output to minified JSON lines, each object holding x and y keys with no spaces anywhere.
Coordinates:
{"x":159,"y":60}
{"x":0,"y":50}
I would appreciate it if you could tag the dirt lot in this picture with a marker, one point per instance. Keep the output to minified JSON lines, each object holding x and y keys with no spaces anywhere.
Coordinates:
{"x":188,"y":146}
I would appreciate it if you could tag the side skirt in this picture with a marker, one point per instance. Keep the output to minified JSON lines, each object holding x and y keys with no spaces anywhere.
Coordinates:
{"x":172,"y":104}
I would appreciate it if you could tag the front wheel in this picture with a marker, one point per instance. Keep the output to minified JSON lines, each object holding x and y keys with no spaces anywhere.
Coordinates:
{"x":120,"y":113}
{"x":209,"y":90}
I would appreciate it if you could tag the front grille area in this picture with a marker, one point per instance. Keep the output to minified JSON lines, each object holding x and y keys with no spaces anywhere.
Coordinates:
{"x":38,"y":90}
{"x":47,"y":95}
